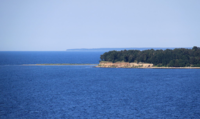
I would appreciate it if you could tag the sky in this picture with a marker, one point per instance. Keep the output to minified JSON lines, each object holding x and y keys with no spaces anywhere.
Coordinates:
{"x":57,"y":25}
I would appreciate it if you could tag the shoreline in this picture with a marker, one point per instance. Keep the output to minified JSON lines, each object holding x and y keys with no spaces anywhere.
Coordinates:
{"x":141,"y":65}
{"x":152,"y":67}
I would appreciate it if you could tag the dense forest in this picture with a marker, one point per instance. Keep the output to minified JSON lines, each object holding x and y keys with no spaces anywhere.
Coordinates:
{"x":179,"y":57}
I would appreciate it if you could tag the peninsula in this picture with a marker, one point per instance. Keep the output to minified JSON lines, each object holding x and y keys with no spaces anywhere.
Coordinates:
{"x":176,"y":58}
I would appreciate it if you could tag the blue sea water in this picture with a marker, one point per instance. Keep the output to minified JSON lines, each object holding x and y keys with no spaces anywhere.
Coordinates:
{"x":45,"y":92}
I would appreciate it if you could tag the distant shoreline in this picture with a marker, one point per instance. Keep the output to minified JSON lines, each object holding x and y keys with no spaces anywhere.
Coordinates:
{"x":153,"y":67}
{"x":106,"y":64}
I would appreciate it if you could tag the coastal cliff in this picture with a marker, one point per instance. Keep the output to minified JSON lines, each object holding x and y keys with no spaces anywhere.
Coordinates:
{"x":124,"y":65}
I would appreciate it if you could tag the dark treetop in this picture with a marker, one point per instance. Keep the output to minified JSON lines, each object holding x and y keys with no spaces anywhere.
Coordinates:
{"x":179,"y":57}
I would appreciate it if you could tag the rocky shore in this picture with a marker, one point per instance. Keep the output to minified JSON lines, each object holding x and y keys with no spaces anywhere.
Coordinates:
{"x":124,"y":64}
{"x":106,"y":64}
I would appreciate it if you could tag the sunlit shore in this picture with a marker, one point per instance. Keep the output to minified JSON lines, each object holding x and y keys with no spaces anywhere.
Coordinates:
{"x":153,"y":67}
{"x":171,"y":67}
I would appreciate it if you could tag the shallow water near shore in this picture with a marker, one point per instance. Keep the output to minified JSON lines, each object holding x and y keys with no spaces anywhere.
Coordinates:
{"x":89,"y":92}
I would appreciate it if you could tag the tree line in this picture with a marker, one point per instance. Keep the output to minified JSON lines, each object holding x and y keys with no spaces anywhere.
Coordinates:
{"x":178,"y":57}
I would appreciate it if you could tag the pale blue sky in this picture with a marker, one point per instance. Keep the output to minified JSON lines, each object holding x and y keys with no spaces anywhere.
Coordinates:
{"x":57,"y":25}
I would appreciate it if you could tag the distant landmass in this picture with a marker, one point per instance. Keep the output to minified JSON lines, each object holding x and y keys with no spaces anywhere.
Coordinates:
{"x":177,"y":57}
{"x":118,"y":49}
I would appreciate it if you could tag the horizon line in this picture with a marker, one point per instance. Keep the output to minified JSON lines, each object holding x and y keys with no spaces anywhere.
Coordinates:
{"x":83,"y":49}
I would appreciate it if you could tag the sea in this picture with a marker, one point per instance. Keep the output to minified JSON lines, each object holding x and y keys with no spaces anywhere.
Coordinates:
{"x":86,"y":92}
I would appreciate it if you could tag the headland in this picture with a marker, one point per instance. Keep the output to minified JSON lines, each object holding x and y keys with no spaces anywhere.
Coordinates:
{"x":176,"y":58}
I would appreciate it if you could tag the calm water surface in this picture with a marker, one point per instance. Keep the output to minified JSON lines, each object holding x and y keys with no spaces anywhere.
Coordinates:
{"x":88,"y":92}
